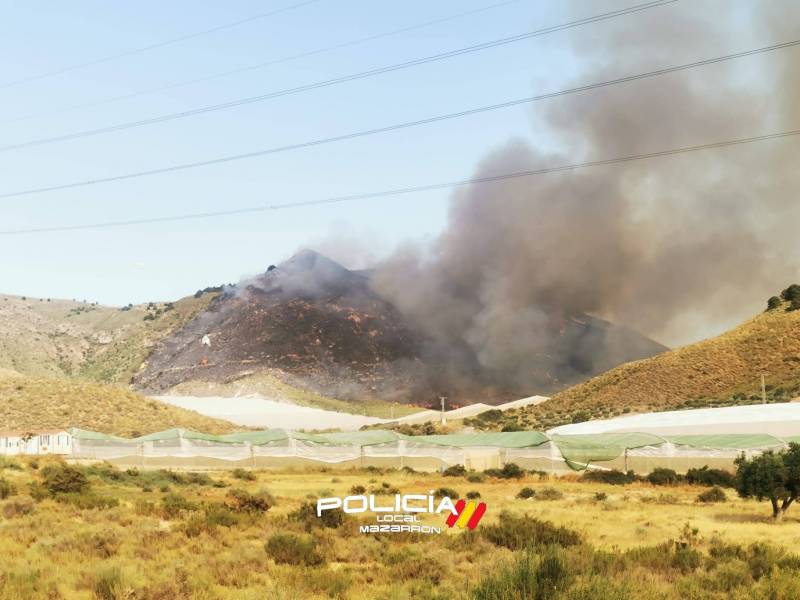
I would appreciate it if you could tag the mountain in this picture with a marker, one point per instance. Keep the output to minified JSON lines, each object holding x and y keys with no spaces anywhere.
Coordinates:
{"x":724,"y":370}
{"x":309,"y":318}
{"x":318,"y":325}
{"x":68,"y":338}
{"x":40,"y":403}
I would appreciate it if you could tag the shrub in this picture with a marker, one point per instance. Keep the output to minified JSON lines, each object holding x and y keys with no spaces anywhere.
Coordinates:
{"x":711,"y":477}
{"x":243,"y":501}
{"x":243,"y":475}
{"x":455,"y":471}
{"x":292,"y":549}
{"x":549,"y":493}
{"x":358,"y":490}
{"x":773,"y":476}
{"x":446,"y":491}
{"x":518,"y":532}
{"x":473,"y":495}
{"x":509,"y":471}
{"x":600,"y":496}
{"x":6,"y":489}
{"x":715,"y":494}
{"x":773,"y":303}
{"x":532,"y":577}
{"x":306,"y":514}
{"x":63,"y":479}
{"x":17,"y":509}
{"x":173,"y":504}
{"x":613,"y":477}
{"x":385,"y":489}
{"x":526,"y":493}
{"x":662,"y":476}
{"x":476,"y":478}
{"x":88,"y":501}
{"x":791,"y":292}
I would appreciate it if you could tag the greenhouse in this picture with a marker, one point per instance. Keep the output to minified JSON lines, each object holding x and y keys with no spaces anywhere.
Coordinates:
{"x":277,"y":448}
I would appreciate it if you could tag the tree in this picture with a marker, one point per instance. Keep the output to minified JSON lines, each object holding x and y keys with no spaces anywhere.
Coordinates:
{"x":773,"y":476}
{"x":773,"y":303}
{"x":791,"y":292}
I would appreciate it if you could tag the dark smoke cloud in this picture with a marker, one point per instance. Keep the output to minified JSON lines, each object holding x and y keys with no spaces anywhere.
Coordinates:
{"x":677,"y":248}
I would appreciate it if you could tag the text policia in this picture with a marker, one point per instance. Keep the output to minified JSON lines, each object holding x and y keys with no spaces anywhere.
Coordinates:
{"x":403,"y":514}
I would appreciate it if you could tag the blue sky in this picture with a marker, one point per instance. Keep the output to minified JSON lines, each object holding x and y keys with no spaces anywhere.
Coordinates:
{"x":166,"y":261}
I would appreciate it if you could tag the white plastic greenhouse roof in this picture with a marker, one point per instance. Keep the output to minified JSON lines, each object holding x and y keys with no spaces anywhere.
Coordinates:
{"x":780,"y":419}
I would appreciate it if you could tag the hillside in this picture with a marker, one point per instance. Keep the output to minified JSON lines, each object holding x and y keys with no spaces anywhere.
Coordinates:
{"x":66,"y":338}
{"x":323,"y":328}
{"x":720,"y":371}
{"x":37,"y":403}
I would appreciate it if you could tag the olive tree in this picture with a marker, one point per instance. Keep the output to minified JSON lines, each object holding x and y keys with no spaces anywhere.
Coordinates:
{"x":771,"y":475}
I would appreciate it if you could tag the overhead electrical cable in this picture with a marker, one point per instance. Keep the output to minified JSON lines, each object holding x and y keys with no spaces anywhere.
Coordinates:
{"x":397,"y":126}
{"x":413,"y":189}
{"x":168,"y":42}
{"x":266,"y":64}
{"x":336,"y":80}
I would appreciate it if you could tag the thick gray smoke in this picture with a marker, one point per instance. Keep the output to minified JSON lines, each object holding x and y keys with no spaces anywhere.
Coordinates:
{"x":678,"y":248}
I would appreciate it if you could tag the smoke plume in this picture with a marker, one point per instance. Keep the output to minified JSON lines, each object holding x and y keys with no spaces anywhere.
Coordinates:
{"x":678,"y":247}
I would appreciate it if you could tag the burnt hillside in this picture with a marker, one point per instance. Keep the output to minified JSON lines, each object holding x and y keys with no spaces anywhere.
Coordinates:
{"x":323,"y":326}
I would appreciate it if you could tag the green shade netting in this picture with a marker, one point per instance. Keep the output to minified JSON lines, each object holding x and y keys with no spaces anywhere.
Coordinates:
{"x":84,"y":434}
{"x":510,"y":439}
{"x":580,"y":450}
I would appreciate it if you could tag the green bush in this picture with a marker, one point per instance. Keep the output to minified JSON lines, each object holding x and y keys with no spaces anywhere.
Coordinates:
{"x":87,"y":501}
{"x":791,"y":293}
{"x":358,"y":490}
{"x":662,"y":476}
{"x":526,"y":493}
{"x":476,"y":478}
{"x":292,"y":549}
{"x":600,"y":496}
{"x":613,"y":477}
{"x":509,"y":471}
{"x":714,"y":494}
{"x":455,"y":471}
{"x":385,"y":489}
{"x":17,"y":509}
{"x":711,"y":477}
{"x":446,"y":491}
{"x":173,"y":504}
{"x":473,"y":495}
{"x":517,"y":532}
{"x":532,"y":576}
{"x":306,"y":515}
{"x":63,"y":479}
{"x":773,"y":303}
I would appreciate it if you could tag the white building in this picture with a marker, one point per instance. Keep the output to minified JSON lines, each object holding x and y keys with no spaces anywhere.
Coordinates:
{"x":52,"y":441}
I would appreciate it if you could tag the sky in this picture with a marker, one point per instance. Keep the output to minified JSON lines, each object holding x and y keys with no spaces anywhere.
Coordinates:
{"x":165,"y":261}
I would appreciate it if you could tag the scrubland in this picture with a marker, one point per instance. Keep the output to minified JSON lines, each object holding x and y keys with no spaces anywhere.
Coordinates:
{"x":98,"y":532}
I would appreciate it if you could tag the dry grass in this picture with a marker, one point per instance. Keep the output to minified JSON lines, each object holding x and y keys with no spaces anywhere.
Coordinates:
{"x":718,"y":370}
{"x":134,"y":550}
{"x":31,"y":403}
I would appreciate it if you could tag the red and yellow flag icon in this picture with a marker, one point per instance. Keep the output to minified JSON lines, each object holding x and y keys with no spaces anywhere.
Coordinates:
{"x":468,"y":514}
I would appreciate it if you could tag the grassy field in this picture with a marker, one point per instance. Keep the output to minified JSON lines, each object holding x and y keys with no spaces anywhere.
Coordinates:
{"x":28,"y":403}
{"x":721,"y":371}
{"x":166,"y":535}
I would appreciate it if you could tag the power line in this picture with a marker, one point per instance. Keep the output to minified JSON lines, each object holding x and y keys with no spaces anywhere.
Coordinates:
{"x":168,"y":42}
{"x":266,"y":64}
{"x":397,"y":126}
{"x":337,"y":80}
{"x":414,"y":189}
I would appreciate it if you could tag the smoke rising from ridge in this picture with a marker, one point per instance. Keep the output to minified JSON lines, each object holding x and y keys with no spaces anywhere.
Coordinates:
{"x":677,"y":247}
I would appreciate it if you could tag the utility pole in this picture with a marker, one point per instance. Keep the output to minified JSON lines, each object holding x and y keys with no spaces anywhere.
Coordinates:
{"x":443,"y":399}
{"x":763,"y":390}
{"x":392,"y":411}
